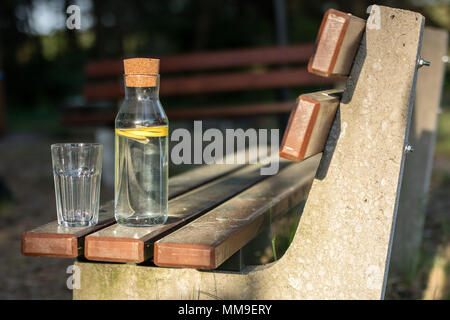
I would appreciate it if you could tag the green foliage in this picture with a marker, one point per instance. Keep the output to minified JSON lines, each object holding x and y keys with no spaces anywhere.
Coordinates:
{"x":46,"y":69}
{"x":443,"y":135}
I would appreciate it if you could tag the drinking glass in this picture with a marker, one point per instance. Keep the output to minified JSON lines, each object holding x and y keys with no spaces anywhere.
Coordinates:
{"x":77,"y":169}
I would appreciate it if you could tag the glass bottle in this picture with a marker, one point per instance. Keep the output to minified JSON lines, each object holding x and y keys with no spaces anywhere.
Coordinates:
{"x":141,"y":148}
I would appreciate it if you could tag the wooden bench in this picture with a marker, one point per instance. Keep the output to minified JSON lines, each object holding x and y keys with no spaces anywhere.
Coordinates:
{"x":206,"y":73}
{"x":342,"y":245}
{"x":202,"y":190}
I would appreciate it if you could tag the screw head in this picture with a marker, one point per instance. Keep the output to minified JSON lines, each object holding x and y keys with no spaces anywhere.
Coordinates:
{"x":409,"y":148}
{"x":423,"y":62}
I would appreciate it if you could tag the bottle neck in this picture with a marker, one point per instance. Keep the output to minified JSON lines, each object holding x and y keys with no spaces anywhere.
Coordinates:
{"x":141,"y":89}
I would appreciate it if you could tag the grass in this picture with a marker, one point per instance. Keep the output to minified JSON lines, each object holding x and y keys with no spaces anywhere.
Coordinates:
{"x":283,"y":231}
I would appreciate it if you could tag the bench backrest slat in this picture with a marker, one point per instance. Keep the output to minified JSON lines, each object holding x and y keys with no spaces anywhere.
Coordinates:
{"x":238,"y":81}
{"x":211,"y":60}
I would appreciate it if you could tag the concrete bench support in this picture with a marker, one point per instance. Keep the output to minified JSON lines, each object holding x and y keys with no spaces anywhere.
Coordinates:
{"x":341,"y":249}
{"x":418,"y":164}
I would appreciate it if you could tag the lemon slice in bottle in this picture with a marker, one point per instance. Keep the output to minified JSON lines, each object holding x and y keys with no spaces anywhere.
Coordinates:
{"x":142,"y":134}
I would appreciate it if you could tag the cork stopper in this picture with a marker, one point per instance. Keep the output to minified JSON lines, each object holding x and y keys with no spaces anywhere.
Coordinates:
{"x":141,"y":72}
{"x":143,"y":66}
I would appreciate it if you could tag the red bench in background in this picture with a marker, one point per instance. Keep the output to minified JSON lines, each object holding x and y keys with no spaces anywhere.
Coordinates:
{"x":205,"y":73}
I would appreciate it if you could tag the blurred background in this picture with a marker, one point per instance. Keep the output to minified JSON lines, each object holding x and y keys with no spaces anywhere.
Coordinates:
{"x":42,"y":78}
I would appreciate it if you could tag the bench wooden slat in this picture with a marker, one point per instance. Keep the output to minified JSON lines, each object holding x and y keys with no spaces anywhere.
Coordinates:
{"x":309,"y":124}
{"x":336,"y":44}
{"x":224,"y":82}
{"x":232,"y":111}
{"x":209,"y":240}
{"x":52,"y":240}
{"x":190,"y":113}
{"x":188,"y":181}
{"x":119,"y":243}
{"x":211,"y":60}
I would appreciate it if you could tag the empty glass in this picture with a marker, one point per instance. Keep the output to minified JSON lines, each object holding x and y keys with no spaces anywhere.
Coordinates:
{"x":77,"y":169}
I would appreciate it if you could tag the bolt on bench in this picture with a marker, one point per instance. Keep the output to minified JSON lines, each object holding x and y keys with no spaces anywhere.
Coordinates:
{"x":341,"y":248}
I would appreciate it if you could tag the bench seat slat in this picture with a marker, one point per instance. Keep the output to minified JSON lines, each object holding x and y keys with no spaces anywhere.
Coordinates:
{"x":208,"y":241}
{"x":119,"y":243}
{"x":52,"y":240}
